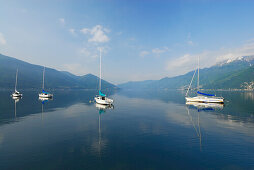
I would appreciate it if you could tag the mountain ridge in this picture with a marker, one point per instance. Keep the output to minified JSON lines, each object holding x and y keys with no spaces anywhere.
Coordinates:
{"x":210,"y":78}
{"x":30,"y":77}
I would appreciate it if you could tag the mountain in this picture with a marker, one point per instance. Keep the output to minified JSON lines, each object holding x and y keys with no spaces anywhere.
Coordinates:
{"x":243,"y":79}
{"x":30,"y":76}
{"x":225,"y":75}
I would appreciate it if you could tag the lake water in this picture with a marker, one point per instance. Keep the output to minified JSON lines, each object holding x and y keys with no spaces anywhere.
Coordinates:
{"x":144,"y":130}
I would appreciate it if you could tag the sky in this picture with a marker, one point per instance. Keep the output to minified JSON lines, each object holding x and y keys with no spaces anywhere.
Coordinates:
{"x":140,"y":40}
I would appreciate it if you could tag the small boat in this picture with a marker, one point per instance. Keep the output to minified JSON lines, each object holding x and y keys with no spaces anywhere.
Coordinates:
{"x":202,"y":97}
{"x":102,"y":98}
{"x":44,"y":94}
{"x":205,"y":99}
{"x":16,"y":93}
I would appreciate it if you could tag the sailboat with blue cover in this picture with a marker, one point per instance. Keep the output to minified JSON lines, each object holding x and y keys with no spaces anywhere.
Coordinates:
{"x":102,"y":98}
{"x":44,"y":94}
{"x":202,"y":97}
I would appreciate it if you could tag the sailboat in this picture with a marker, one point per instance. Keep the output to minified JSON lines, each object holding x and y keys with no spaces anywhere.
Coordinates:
{"x":16,"y":94}
{"x":44,"y":94}
{"x":202,"y":97}
{"x":101,"y":98}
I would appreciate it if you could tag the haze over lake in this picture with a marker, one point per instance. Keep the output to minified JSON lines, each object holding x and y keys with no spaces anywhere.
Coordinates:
{"x":144,"y":130}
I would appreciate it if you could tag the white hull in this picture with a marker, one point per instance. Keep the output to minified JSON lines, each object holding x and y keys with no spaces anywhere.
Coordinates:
{"x":43,"y":95}
{"x":204,"y":99}
{"x":16,"y":98}
{"x":103,"y":100}
{"x":16,"y":95}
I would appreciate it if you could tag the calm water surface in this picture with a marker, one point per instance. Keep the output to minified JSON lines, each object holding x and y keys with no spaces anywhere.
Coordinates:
{"x":144,"y":130}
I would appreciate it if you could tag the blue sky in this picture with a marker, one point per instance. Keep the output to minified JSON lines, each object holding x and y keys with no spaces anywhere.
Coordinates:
{"x":140,"y":39}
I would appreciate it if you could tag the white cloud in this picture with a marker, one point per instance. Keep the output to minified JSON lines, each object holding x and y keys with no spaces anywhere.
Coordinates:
{"x":231,"y":54}
{"x":179,"y":62}
{"x":2,"y":39}
{"x":62,"y":20}
{"x":156,"y":52}
{"x":143,"y":53}
{"x":85,"y":52}
{"x":159,"y":51}
{"x":72,"y":31}
{"x":97,"y":34}
{"x":188,"y":62}
{"x":91,"y":52}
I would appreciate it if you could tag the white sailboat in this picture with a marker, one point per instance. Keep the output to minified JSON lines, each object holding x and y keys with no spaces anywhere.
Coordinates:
{"x":101,"y":98}
{"x":44,"y":94}
{"x":202,"y":97}
{"x":16,"y":93}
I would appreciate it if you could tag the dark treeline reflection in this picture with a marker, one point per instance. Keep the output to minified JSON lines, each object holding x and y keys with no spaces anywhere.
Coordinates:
{"x":30,"y":103}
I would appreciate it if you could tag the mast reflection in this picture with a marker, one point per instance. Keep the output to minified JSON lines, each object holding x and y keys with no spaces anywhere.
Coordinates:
{"x":43,"y":101}
{"x":201,"y":107}
{"x":102,"y":109}
{"x":16,"y":100}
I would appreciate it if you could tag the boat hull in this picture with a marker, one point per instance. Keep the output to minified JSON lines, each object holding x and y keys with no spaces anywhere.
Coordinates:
{"x":105,"y":101}
{"x":42,"y":95}
{"x":203,"y":99}
{"x":16,"y":95}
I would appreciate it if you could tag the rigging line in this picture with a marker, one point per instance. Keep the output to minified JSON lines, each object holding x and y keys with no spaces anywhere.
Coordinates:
{"x":198,"y":74}
{"x":193,"y":124}
{"x":16,"y":79}
{"x":200,"y":136}
{"x":190,"y":83}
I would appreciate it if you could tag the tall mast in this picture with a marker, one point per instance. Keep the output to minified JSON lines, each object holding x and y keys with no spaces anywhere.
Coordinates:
{"x":100,"y":71}
{"x":198,"y":75}
{"x":16,"y":79}
{"x":43,"y":78}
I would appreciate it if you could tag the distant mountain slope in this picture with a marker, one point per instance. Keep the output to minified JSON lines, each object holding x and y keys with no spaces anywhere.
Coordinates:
{"x":213,"y":77}
{"x":30,"y":76}
{"x":243,"y":79}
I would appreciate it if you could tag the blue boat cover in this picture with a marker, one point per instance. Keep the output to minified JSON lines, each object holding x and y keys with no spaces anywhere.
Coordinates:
{"x":44,"y":101}
{"x":101,"y":94}
{"x":205,"y":94}
{"x":205,"y":109}
{"x":44,"y":91}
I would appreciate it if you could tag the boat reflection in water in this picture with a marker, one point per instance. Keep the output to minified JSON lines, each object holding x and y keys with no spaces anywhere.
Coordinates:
{"x":102,"y":109}
{"x":43,"y":101}
{"x":206,"y":106}
{"x":16,"y":100}
{"x":200,"y":107}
